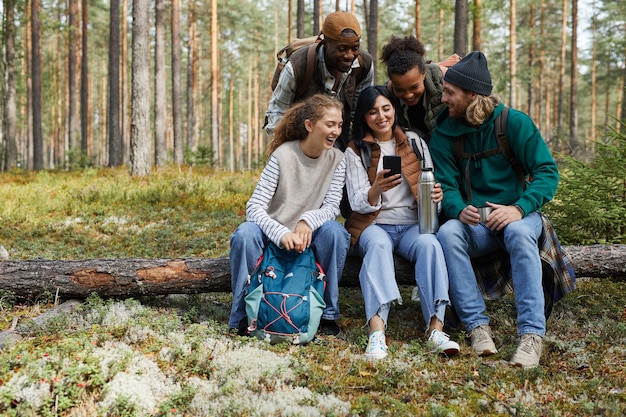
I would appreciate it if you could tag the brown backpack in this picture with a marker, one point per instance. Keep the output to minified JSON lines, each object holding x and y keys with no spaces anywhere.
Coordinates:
{"x":283,"y":57}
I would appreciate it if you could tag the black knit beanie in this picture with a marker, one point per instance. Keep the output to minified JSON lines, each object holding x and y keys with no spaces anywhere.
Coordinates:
{"x":471,"y":74}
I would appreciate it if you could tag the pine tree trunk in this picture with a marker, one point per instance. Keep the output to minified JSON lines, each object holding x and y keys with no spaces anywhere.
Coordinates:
{"x":36,"y":93}
{"x":214,"y":84}
{"x":561,"y":92}
{"x":176,"y":80}
{"x":140,"y":155}
{"x":573,"y":108}
{"x":192,"y":66}
{"x":513,"y":54}
{"x":160,"y":85}
{"x":84,"y":82}
{"x":477,"y":26}
{"x":116,"y":150}
{"x":72,"y":124}
{"x":460,"y":27}
{"x":9,"y":117}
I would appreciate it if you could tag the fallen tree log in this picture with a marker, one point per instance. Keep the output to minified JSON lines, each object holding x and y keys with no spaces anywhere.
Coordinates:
{"x":135,"y":277}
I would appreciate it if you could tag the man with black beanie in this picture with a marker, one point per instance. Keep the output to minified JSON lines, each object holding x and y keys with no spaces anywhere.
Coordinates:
{"x":475,"y":173}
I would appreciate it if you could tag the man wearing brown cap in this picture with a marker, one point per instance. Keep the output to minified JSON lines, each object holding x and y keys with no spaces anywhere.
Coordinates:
{"x":342,"y":69}
{"x":479,"y":174}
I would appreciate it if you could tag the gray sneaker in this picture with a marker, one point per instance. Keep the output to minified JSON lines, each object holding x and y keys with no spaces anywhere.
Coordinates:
{"x":482,"y":341}
{"x":528,"y":351}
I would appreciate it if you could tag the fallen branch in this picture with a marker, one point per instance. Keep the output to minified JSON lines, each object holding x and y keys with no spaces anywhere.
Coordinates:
{"x":134,"y":277}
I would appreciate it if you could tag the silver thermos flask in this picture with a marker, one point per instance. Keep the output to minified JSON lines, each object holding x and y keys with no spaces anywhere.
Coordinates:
{"x":427,"y":209}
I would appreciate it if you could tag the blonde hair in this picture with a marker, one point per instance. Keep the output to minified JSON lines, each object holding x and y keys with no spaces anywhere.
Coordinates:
{"x":480,"y":109}
{"x":291,"y":125}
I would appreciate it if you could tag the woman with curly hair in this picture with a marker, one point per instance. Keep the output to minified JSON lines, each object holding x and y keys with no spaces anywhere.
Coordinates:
{"x":295,"y":204}
{"x":417,"y":83}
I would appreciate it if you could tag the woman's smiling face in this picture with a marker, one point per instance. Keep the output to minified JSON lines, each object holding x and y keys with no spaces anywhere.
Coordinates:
{"x":328,"y":128}
{"x":380,"y":117}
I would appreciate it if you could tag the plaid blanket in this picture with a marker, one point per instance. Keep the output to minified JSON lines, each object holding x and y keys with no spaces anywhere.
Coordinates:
{"x":493,"y":271}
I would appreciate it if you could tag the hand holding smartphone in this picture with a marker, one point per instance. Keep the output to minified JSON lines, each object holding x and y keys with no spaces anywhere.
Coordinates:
{"x":392,"y":162}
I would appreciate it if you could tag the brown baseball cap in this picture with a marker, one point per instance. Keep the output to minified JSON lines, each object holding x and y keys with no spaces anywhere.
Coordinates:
{"x":336,"y":22}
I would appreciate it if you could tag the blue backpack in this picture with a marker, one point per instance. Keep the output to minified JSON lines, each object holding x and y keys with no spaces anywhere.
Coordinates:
{"x":285,"y":296}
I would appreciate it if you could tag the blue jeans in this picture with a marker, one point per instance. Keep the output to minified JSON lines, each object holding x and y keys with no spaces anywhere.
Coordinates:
{"x":376,"y":246}
{"x":461,"y":242}
{"x":330,"y":243}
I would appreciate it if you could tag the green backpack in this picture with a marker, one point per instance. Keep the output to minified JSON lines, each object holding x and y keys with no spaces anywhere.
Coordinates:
{"x":285,"y":297}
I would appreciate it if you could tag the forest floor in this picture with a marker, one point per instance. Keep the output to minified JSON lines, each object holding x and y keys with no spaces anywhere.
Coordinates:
{"x":175,"y":356}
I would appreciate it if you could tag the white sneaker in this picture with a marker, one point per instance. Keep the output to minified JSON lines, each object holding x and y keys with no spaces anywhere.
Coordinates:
{"x":376,"y":346}
{"x":442,"y":343}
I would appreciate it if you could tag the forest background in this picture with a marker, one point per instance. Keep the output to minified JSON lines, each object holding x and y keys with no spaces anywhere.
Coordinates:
{"x":119,"y":84}
{"x":144,"y":84}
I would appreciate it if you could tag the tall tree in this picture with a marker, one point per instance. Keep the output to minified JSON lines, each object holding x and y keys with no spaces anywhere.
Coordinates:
{"x":300,"y":19}
{"x":36,"y":85}
{"x":140,"y":96}
{"x":531,"y":61}
{"x":562,"y":64}
{"x":418,"y":19}
{"x":9,"y":117}
{"x":372,"y":34}
{"x":176,"y":83}
{"x":513,"y":53}
{"x":573,"y":115}
{"x":192,"y":71}
{"x":594,"y":98}
{"x":72,"y":125}
{"x":460,"y":27}
{"x":124,"y":87}
{"x":317,"y":16}
{"x":477,"y":25}
{"x":160,"y":85}
{"x":116,"y":145}
{"x":214,"y":84}
{"x":84,"y":80}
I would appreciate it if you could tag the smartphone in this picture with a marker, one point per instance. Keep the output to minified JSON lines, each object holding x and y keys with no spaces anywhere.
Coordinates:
{"x":393,"y":163}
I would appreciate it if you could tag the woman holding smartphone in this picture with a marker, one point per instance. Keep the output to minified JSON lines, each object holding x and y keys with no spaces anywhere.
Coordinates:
{"x":384,"y":221}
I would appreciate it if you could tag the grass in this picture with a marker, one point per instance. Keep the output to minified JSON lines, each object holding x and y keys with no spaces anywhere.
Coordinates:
{"x":174,"y":355}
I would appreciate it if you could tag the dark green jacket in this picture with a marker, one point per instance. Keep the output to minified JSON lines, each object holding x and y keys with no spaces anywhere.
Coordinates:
{"x":492,"y":178}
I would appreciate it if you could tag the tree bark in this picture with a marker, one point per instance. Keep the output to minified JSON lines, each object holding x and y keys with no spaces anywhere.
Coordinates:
{"x":573,"y":108}
{"x":513,"y":54}
{"x":36,"y":86}
{"x":214,"y":84}
{"x":9,"y":119}
{"x":140,"y":155}
{"x":372,"y":34}
{"x":160,"y":85}
{"x":192,"y":79}
{"x":114,"y":137}
{"x":460,"y":27}
{"x":84,"y":82}
{"x":176,"y":84}
{"x":136,"y":277}
{"x":72,"y":124}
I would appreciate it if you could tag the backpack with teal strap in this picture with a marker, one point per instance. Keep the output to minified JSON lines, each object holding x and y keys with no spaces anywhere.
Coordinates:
{"x":285,"y":296}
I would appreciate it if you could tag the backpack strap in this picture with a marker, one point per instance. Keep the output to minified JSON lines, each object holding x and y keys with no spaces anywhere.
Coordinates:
{"x":366,"y":155}
{"x":366,"y":152}
{"x":310,"y":67}
{"x":500,"y":126}
{"x":416,"y":144}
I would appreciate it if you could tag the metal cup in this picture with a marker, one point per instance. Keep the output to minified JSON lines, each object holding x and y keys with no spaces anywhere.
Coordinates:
{"x":484,"y":213}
